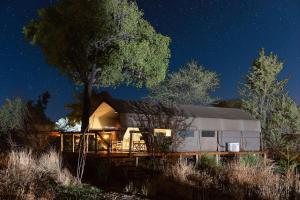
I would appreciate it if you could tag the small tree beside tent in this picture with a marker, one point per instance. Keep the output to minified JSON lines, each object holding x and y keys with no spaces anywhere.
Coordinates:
{"x":265,"y":98}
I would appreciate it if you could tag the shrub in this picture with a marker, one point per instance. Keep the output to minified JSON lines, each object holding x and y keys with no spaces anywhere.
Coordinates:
{"x":130,"y":188}
{"x":77,"y":192}
{"x":29,"y":177}
{"x":251,"y":160}
{"x":252,"y":180}
{"x":20,"y":173}
{"x":50,"y":163}
{"x":188,"y":174}
{"x":3,"y":160}
{"x":247,"y":178}
{"x":145,"y":189}
{"x":208,"y":161}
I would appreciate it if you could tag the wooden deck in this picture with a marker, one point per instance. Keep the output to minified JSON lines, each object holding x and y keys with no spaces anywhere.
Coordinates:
{"x":138,"y":157}
{"x":139,"y":150}
{"x":168,"y":154}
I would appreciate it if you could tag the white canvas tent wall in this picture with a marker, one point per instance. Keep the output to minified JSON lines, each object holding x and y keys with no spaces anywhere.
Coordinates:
{"x":245,"y":132}
{"x":103,"y":117}
{"x":228,"y":124}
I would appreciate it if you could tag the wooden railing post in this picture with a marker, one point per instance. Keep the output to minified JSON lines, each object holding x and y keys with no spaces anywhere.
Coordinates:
{"x":110,"y":143}
{"x":130,"y":143}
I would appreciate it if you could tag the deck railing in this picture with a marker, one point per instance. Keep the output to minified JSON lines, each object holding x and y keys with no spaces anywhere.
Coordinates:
{"x":137,"y":146}
{"x":93,"y":144}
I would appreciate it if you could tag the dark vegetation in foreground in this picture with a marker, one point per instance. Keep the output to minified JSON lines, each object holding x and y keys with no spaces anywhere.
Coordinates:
{"x":23,"y":175}
{"x":27,"y":176}
{"x":244,"y":178}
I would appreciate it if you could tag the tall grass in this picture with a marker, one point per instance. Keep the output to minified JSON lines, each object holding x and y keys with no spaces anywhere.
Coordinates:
{"x":188,"y":174}
{"x":27,"y":176}
{"x":243,"y":179}
{"x":253,"y":180}
{"x":51,"y":164}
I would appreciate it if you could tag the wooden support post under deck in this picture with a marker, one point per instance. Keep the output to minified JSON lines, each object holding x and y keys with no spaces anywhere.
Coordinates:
{"x":73,"y":146}
{"x":265,"y":158}
{"x":217,"y":159}
{"x":61,"y":142}
{"x":197,"y":159}
{"x":136,"y":161}
{"x":180,"y":158}
{"x":130,"y":143}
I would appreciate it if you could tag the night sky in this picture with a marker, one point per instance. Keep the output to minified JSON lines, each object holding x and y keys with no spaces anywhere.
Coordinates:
{"x":224,"y":36}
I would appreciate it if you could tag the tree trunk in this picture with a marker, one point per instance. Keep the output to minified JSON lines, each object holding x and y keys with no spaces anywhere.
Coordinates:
{"x":87,"y":93}
{"x":84,"y":128}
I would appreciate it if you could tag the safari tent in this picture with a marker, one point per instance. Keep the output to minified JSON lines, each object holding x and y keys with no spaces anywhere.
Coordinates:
{"x":115,"y":127}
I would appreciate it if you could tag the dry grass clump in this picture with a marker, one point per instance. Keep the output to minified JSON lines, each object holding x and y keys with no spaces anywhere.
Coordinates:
{"x":3,"y":160}
{"x":260,"y":181}
{"x":188,"y":174}
{"x":29,"y":177}
{"x":239,"y":180}
{"x":145,"y":188}
{"x":51,"y":164}
{"x":130,"y":188}
{"x":253,"y":180}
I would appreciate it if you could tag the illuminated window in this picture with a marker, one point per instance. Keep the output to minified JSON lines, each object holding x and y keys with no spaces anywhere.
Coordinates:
{"x":166,"y":132}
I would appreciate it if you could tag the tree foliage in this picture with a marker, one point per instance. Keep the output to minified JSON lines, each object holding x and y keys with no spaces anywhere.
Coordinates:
{"x":13,"y":116}
{"x":262,"y":86}
{"x":37,"y":110}
{"x":192,"y":84}
{"x":22,"y":123}
{"x":100,"y":43}
{"x":265,"y":98}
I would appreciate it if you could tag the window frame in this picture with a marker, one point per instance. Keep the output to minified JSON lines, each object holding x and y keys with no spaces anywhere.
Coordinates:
{"x":191,"y":133}
{"x":208,"y":133}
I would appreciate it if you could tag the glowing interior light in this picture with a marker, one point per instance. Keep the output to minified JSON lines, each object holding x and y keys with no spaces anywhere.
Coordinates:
{"x":105,"y":136}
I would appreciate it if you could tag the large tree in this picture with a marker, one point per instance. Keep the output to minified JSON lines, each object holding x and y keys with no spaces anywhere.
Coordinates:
{"x":192,"y":84}
{"x":264,"y":97}
{"x":100,"y":43}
